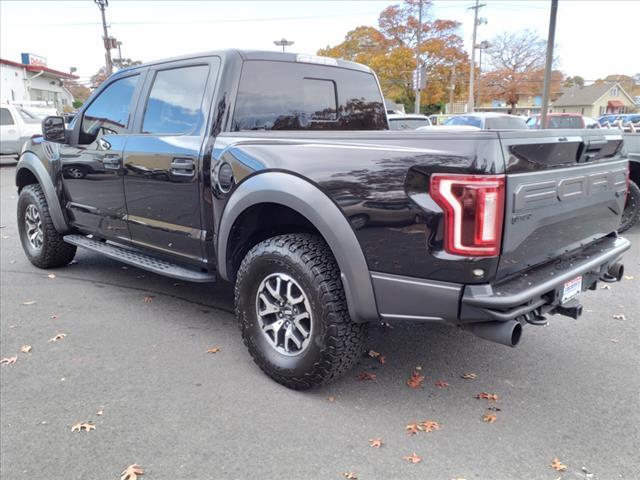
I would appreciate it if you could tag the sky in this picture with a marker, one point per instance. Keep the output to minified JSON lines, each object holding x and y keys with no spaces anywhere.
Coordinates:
{"x":594,"y":38}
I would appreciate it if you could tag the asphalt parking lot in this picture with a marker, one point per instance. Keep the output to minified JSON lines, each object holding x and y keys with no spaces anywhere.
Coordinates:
{"x":134,"y":364}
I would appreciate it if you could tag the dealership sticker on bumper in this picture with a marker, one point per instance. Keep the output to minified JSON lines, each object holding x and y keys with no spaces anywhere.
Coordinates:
{"x":571,"y":289}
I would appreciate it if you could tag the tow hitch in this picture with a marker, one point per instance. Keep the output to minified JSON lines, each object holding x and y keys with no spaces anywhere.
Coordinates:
{"x":572,"y":309}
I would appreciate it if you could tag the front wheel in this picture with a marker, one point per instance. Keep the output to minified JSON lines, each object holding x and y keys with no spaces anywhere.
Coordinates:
{"x":293,"y":314}
{"x":41,"y":242}
{"x":631,"y":211}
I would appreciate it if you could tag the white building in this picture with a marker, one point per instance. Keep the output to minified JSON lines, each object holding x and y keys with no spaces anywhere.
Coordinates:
{"x":32,"y":81}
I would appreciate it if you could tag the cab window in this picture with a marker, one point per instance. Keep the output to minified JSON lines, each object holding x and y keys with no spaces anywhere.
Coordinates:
{"x":110,"y":111}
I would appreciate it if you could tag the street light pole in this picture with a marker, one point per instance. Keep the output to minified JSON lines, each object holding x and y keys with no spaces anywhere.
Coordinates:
{"x":476,"y":8}
{"x":283,"y":42}
{"x":416,"y":108}
{"x":481,"y":46}
{"x":549,"y":63}
{"x":102,"y":5}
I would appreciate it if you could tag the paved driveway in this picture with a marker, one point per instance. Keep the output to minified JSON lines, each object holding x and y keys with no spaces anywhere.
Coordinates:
{"x":140,"y":372}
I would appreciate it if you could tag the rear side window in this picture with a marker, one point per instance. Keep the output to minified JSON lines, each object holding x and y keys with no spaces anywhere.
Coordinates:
{"x":109,"y":112}
{"x":294,"y":96}
{"x":505,"y":123}
{"x":174,"y":105}
{"x":465,"y":120}
{"x":5,"y":117}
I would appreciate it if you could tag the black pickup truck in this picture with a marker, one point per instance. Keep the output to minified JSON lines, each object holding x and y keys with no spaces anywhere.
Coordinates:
{"x":277,"y":172}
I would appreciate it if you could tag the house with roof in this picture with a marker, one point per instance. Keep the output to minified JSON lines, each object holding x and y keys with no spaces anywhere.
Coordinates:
{"x":595,"y":100}
{"x":32,"y":82}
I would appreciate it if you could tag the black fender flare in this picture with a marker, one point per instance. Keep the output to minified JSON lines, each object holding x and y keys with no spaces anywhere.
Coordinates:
{"x":309,"y":201}
{"x":30,"y":161}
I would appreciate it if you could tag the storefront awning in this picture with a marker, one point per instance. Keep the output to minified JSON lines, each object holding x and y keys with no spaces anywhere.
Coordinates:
{"x":615,"y":103}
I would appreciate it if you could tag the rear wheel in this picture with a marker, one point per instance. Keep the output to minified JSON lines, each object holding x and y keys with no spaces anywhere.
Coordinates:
{"x":631,"y":211}
{"x":293,"y":314}
{"x":41,"y":242}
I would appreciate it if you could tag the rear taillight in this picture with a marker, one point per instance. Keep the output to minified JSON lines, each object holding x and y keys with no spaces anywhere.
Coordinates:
{"x":473,"y":211}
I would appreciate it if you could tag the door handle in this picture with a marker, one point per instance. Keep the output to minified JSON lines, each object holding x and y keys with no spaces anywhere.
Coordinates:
{"x":184,"y":167}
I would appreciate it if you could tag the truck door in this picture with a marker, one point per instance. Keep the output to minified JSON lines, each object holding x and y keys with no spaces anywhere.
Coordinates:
{"x":92,"y":168}
{"x":163,"y":160}
{"x":9,"y":133}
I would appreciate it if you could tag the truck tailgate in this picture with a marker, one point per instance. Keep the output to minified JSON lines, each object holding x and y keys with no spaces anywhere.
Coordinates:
{"x":564,"y":189}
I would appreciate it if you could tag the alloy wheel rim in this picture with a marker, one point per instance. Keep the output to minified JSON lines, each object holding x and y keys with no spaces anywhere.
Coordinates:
{"x":33,"y":224}
{"x":284,"y":314}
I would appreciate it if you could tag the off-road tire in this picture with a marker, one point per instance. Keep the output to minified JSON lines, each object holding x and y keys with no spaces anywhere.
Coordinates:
{"x":54,"y":252}
{"x":631,"y":212}
{"x":336,"y":342}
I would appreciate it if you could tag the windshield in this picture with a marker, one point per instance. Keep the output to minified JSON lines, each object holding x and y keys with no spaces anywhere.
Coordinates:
{"x":505,"y":123}
{"x":27,"y":116}
{"x":467,"y":120}
{"x":407,"y":123}
{"x":565,"y":122}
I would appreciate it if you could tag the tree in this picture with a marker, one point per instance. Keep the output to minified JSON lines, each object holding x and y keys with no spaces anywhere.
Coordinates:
{"x":97,"y":78}
{"x":516,"y":62}
{"x":390,"y":52}
{"x":121,"y":63}
{"x":576,"y":80}
{"x":80,"y":92}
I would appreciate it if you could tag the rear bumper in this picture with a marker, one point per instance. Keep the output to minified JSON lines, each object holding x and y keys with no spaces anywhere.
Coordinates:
{"x":534,"y":292}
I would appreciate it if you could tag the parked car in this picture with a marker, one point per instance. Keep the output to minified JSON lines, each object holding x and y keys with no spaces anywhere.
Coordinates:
{"x":407,"y":121}
{"x":590,"y":122}
{"x":631,"y":213}
{"x":438,"y":119}
{"x":558,"y":120}
{"x":485,"y":121}
{"x":263,"y":152}
{"x":608,"y":118}
{"x":631,"y":118}
{"x":17,"y":125}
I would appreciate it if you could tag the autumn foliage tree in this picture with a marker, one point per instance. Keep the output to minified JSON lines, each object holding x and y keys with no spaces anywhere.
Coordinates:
{"x":516,"y":62}
{"x":391,"y":48}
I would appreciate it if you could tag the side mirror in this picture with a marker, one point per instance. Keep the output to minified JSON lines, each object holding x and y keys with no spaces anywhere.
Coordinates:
{"x":53,"y":129}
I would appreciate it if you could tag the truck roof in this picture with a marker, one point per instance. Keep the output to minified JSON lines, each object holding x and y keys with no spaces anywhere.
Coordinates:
{"x":261,"y":55}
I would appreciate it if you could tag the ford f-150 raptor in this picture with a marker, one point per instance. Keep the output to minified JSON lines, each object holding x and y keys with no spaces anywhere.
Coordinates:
{"x":277,"y":172}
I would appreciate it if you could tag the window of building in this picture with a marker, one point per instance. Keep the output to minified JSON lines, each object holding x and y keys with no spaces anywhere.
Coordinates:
{"x":109,"y":112}
{"x":615,"y":91}
{"x":5,"y":117}
{"x":174,"y":105}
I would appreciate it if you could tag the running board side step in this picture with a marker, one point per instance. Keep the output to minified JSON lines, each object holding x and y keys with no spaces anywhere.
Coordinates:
{"x":139,"y":259}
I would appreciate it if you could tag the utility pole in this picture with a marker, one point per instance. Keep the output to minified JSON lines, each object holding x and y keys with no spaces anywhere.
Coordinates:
{"x":472,"y":72}
{"x":102,"y":5}
{"x":481,"y":46}
{"x":283,"y":42}
{"x":549,"y":63}
{"x":452,"y":87}
{"x":418,"y":62}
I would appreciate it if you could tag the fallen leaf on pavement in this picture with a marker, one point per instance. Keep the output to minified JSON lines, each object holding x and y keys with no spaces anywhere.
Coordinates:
{"x":78,"y":427}
{"x":614,"y":340}
{"x":415,"y":381}
{"x":441,"y":384}
{"x":366,"y":376}
{"x":52,"y":275}
{"x":412,"y":458}
{"x":9,"y":360}
{"x":487,"y":396}
{"x":148,"y":299}
{"x":29,"y":302}
{"x":558,"y":466}
{"x":374,"y":354}
{"x":489,"y":417}
{"x":54,"y":316}
{"x":606,"y":287}
{"x":132,"y":472}
{"x":331,"y":399}
{"x":376,"y":442}
{"x":413,"y":428}
{"x":59,"y":336}
{"x":26,"y":349}
{"x":419,"y":368}
{"x":348,"y":475}
{"x":628,"y":277}
{"x":99,"y":412}
{"x":619,"y":317}
{"x":382,"y":359}
{"x":430,"y":426}
{"x":469,"y":376}
{"x":214,"y":350}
